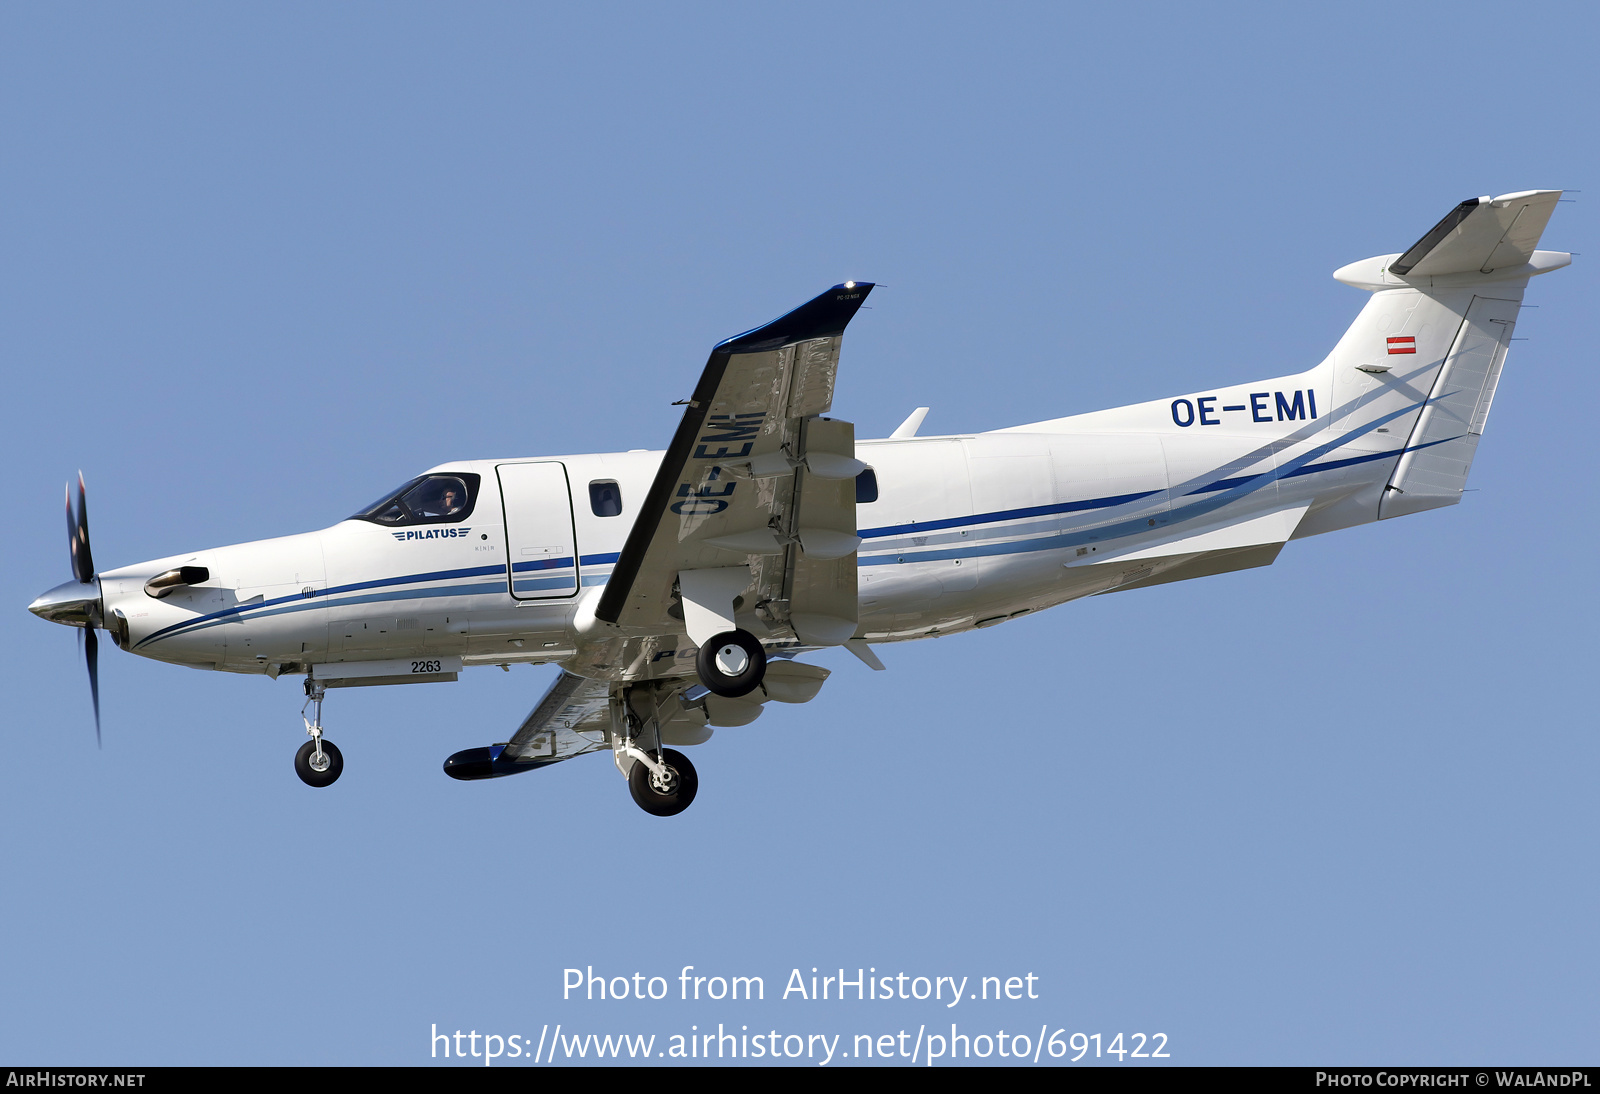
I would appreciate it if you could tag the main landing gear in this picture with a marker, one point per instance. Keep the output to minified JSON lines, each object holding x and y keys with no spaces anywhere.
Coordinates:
{"x":666,"y":789}
{"x":662,"y":780}
{"x":318,"y":762}
{"x":732,"y":663}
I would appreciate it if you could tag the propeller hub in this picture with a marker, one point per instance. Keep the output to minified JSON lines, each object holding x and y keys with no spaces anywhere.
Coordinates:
{"x":72,"y":604}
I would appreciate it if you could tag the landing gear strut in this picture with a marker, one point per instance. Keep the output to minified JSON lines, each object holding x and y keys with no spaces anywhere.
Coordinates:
{"x":318,"y":762}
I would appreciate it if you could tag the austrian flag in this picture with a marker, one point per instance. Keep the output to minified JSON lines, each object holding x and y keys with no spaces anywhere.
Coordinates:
{"x":1404,"y":344}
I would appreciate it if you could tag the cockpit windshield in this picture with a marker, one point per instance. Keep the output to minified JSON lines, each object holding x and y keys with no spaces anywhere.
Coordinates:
{"x":429,"y":499}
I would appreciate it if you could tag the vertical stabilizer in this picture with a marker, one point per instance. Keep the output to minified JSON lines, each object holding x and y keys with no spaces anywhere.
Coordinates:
{"x":1429,"y":346}
{"x":1438,"y":455}
{"x":1390,"y":419}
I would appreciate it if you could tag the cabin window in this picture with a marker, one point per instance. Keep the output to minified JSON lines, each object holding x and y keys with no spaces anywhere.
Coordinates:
{"x":866,"y":487}
{"x":428,"y":499}
{"x":605,"y":498}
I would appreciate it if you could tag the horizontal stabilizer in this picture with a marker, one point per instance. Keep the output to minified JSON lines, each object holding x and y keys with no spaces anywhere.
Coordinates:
{"x":1207,"y":565}
{"x":1270,"y":528}
{"x":1481,"y":235}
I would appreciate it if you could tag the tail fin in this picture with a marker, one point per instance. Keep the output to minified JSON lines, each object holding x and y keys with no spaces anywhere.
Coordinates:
{"x":1413,"y":376}
{"x":1434,"y":337}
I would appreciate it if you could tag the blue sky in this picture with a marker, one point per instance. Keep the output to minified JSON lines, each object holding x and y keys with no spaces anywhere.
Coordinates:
{"x":265,"y":262}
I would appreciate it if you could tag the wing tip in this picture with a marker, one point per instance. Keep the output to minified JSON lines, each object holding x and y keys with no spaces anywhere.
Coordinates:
{"x":823,"y":316}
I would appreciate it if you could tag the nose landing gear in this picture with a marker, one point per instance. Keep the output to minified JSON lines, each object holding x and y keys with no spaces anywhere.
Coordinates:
{"x":318,"y":762}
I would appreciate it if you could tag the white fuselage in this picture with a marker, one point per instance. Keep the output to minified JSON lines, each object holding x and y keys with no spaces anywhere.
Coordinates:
{"x":966,"y":531}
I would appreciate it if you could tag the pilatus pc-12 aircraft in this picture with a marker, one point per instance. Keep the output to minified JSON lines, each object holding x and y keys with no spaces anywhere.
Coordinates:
{"x":675,"y":589}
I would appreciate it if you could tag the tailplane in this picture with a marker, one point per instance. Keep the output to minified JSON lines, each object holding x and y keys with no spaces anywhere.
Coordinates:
{"x":1410,"y":381}
{"x":1434,"y":337}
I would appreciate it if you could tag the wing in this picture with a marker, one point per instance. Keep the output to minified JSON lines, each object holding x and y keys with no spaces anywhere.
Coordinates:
{"x":753,"y":508}
{"x":570,"y":720}
{"x":574,"y":718}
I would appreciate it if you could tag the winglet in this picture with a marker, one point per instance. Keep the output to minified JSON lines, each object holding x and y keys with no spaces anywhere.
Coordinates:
{"x":821,"y":317}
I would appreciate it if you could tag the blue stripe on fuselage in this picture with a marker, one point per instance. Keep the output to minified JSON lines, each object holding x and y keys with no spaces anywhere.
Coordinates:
{"x":1224,"y":495}
{"x":1004,"y":514}
{"x":542,"y":564}
{"x":410,"y":579}
{"x":1331,"y":465}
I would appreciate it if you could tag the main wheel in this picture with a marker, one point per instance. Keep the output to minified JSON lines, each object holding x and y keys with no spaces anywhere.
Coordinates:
{"x":731,"y":664}
{"x":305,"y":764}
{"x":669,"y":797}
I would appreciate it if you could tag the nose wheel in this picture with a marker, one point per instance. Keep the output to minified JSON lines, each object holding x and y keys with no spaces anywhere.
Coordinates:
{"x":318,"y":762}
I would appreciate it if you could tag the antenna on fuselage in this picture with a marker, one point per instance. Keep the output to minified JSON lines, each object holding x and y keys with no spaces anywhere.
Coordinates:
{"x":909,"y":427}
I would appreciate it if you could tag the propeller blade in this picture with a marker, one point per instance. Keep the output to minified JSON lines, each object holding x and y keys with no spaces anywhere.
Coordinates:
{"x":89,"y":643}
{"x":72,"y":534}
{"x":82,"y":560}
{"x":83,"y":571}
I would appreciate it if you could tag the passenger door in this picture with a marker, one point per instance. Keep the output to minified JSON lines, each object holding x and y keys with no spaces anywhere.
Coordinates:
{"x":541,"y":544}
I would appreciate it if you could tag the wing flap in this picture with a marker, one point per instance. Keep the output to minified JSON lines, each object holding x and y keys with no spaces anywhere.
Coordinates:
{"x":821,"y":594}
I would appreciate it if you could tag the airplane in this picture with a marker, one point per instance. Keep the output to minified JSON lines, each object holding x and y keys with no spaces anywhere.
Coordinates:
{"x":676,"y":589}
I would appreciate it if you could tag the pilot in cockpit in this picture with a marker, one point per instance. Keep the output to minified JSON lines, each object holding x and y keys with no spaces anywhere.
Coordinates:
{"x":447,"y":499}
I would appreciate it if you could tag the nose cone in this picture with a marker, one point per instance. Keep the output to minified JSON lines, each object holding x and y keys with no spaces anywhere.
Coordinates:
{"x":72,"y":603}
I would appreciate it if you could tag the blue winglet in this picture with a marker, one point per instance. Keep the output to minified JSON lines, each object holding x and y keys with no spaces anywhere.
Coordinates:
{"x":821,"y":317}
